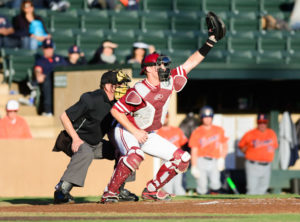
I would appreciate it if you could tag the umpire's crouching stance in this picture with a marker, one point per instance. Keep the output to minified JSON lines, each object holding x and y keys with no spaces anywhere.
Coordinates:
{"x":85,"y":124}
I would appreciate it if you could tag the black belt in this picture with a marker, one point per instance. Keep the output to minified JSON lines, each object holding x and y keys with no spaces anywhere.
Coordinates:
{"x":259,"y":163}
{"x":208,"y":158}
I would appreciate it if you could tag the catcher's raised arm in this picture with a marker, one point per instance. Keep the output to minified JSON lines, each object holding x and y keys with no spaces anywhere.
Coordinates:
{"x":216,"y":31}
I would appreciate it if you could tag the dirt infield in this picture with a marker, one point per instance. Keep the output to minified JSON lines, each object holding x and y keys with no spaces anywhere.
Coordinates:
{"x":212,"y":206}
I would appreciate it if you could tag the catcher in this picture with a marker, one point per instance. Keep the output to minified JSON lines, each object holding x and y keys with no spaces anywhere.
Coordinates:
{"x":86,"y":123}
{"x":143,"y":109}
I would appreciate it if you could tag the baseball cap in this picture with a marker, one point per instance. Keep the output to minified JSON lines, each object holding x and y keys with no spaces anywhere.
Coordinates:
{"x":262,"y":118}
{"x":74,"y":49}
{"x":109,"y":77}
{"x":48,"y":43}
{"x":140,"y":45}
{"x":12,"y":105}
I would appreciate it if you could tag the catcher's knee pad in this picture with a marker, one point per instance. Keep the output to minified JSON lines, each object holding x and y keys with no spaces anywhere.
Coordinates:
{"x":180,"y":160}
{"x":134,"y":158}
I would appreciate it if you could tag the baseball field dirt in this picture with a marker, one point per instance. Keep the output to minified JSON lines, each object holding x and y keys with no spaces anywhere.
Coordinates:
{"x":191,"y":208}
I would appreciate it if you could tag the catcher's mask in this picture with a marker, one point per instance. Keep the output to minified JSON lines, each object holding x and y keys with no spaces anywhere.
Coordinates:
{"x":122,"y":86}
{"x":157,"y":60}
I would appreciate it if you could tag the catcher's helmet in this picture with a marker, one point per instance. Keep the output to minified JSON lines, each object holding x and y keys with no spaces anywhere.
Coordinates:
{"x":149,"y":60}
{"x":206,"y":111}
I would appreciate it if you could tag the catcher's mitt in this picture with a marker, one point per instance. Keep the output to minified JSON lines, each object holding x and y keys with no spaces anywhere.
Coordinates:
{"x":215,"y":26}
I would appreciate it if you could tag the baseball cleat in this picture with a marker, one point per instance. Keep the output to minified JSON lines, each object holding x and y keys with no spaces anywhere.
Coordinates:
{"x":158,"y":195}
{"x":126,"y":195}
{"x":60,"y":198}
{"x":109,"y":197}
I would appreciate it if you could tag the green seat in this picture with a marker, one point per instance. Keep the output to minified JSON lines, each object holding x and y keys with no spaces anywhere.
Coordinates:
{"x":245,"y":22}
{"x":64,"y":20}
{"x":243,"y":44}
{"x":95,"y":20}
{"x":63,"y":39}
{"x":217,"y":6}
{"x":188,"y":6}
{"x":125,"y":20}
{"x":122,"y":55}
{"x":184,"y":41}
{"x":271,"y":57}
{"x":157,"y":5}
{"x":185,"y":21}
{"x":273,"y":6}
{"x":90,"y":40}
{"x":77,"y":4}
{"x":216,"y":56}
{"x":158,"y":39}
{"x":245,"y":56}
{"x":155,"y":21}
{"x":122,"y":38}
{"x":273,"y":40}
{"x":241,"y":6}
{"x":19,"y":64}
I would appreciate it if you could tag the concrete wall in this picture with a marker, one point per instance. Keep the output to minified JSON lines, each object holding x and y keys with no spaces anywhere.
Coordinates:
{"x":30,"y":168}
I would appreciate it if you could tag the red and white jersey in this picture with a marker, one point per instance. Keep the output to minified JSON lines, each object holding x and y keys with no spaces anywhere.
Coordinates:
{"x":146,"y":105}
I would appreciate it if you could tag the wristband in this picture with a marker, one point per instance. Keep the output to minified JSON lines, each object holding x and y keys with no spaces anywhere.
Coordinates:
{"x":211,"y":42}
{"x":204,"y":49}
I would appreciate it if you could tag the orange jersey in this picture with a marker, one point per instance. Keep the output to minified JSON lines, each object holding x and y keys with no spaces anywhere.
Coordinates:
{"x":173,"y":135}
{"x":209,"y":142}
{"x":18,"y":130}
{"x":259,"y":146}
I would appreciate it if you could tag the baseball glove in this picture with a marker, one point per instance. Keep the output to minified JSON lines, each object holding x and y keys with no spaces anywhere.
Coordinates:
{"x":215,"y":26}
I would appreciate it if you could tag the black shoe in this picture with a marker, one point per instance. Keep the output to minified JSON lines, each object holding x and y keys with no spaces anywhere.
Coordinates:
{"x":60,"y":198}
{"x":126,"y":195}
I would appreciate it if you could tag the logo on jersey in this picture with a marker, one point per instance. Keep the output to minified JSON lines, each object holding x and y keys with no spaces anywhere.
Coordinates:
{"x":159,"y":97}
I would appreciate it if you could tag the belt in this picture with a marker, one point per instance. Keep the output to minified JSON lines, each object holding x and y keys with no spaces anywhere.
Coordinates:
{"x":259,"y":163}
{"x":208,"y":158}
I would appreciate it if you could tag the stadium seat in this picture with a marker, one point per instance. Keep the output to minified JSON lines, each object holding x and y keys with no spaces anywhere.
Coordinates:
{"x":95,"y":20}
{"x":184,"y":41}
{"x":155,"y":21}
{"x":19,"y":64}
{"x":188,"y":6}
{"x":77,"y":4}
{"x":158,"y":39}
{"x":217,"y":6}
{"x":245,"y":56}
{"x":44,"y":14}
{"x":272,"y":41}
{"x":271,"y":57}
{"x":178,"y":57}
{"x":242,"y":6}
{"x":125,"y":20}
{"x":63,"y":39}
{"x":124,"y":39}
{"x":64,"y":20}
{"x":185,"y":21}
{"x":271,"y":7}
{"x":243,"y":42}
{"x":157,"y":5}
{"x":246,"y":21}
{"x":89,"y":40}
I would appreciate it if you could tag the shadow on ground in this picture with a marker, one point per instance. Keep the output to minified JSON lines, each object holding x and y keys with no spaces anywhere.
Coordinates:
{"x":42,"y":201}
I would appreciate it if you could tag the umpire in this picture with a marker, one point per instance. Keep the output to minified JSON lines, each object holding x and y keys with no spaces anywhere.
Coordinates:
{"x":85,"y":123}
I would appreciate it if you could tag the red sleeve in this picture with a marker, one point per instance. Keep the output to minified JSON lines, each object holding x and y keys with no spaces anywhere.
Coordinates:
{"x":129,"y":102}
{"x":178,"y":71}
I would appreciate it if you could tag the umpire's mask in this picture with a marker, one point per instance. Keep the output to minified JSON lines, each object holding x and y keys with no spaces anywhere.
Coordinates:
{"x":122,"y":86}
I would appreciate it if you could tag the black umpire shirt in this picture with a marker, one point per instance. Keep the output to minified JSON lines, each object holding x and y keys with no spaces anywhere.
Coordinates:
{"x":91,"y":116}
